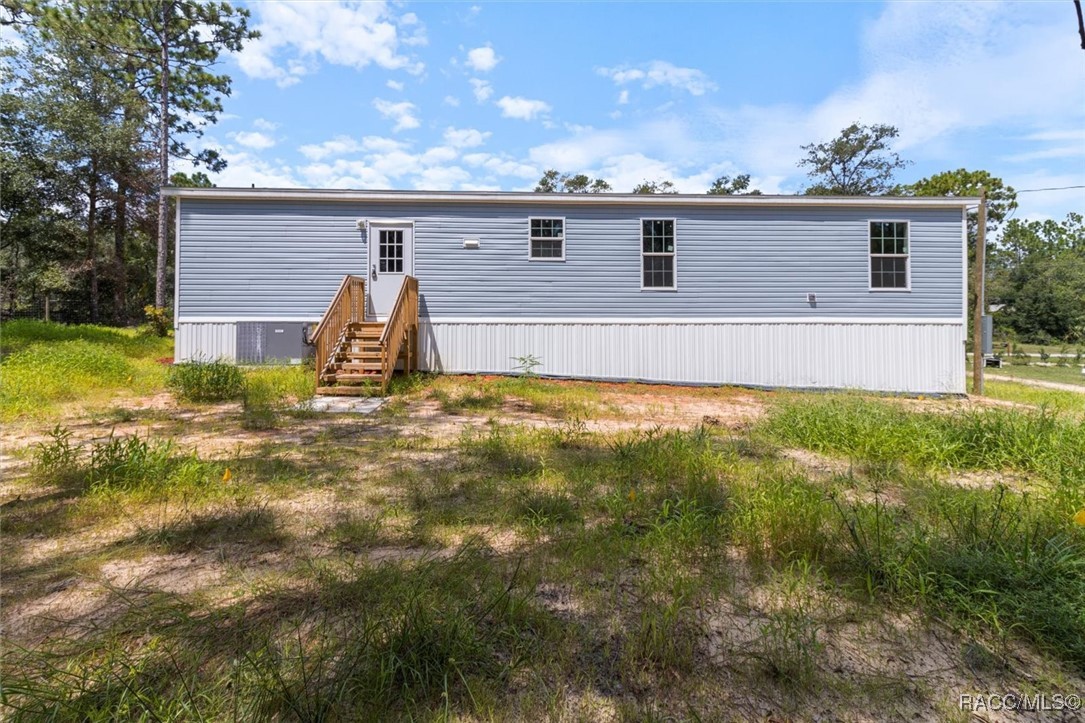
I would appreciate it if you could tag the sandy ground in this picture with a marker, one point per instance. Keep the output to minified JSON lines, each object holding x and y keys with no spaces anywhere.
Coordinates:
{"x":1061,"y":386}
{"x":858,"y":649}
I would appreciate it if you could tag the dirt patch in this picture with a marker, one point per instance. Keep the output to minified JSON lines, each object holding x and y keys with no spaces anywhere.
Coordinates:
{"x":819,"y":466}
{"x":730,"y":411}
{"x":173,"y":573}
{"x":1061,"y":386}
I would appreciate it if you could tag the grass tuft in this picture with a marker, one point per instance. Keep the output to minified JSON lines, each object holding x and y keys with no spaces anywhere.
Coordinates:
{"x":206,"y":381}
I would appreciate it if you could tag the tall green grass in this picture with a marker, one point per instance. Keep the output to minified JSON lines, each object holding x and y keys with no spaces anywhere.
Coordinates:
{"x":135,"y":467}
{"x":994,"y":560}
{"x":1042,"y":442}
{"x":45,"y":365}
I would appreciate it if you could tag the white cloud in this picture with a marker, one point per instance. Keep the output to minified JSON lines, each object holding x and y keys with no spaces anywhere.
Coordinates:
{"x":245,"y":170}
{"x":394,"y":84}
{"x":521,"y":108}
{"x":623,"y":97}
{"x":502,"y":165}
{"x":380,"y":144}
{"x":345,"y":145}
{"x":483,"y":59}
{"x":441,"y":177}
{"x":254,"y":139}
{"x":295,"y":36}
{"x":337,"y":146}
{"x":342,"y":173}
{"x":452,"y":101}
{"x":264,"y":125}
{"x":660,"y":72}
{"x":465,"y":137}
{"x":482,"y":89}
{"x":402,"y":113}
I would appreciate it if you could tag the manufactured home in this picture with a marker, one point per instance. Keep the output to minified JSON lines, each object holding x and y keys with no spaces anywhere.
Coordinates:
{"x":769,"y":291}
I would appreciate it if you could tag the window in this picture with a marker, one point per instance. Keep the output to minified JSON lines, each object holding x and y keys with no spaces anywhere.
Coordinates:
{"x":390,"y":253}
{"x":657,"y":253}
{"x":889,"y":255}
{"x":547,"y":239}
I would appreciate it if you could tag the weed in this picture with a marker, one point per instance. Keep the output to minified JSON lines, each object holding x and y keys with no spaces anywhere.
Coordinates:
{"x":126,"y":465}
{"x":355,"y":532}
{"x":58,"y":458}
{"x":527,"y":364}
{"x":542,"y":510}
{"x":789,"y":644}
{"x":468,"y":399}
{"x":206,"y":381}
{"x":664,"y":634}
{"x":658,"y":465}
{"x":780,"y":517}
{"x":260,"y":404}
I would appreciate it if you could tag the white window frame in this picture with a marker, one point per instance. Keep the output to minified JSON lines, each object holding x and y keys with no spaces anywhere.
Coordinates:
{"x":530,"y":238}
{"x":673,"y":254}
{"x":907,"y":257}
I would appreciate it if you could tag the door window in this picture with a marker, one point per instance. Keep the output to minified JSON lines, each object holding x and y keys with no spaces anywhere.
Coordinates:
{"x":390,"y":253}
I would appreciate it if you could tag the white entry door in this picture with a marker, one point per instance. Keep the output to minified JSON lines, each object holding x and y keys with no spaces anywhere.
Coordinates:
{"x":391,"y":258}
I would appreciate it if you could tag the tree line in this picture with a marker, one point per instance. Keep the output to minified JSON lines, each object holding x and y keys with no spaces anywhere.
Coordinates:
{"x":98,"y":97}
{"x":1036,"y":270}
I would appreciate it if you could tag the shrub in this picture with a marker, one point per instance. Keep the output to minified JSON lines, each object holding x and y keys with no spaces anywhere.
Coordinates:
{"x":159,"y":318}
{"x":206,"y":381}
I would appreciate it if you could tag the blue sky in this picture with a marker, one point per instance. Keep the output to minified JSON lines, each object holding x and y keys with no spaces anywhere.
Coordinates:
{"x":488,"y":95}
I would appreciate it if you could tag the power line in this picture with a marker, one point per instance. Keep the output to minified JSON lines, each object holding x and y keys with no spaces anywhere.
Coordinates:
{"x":1054,"y":188}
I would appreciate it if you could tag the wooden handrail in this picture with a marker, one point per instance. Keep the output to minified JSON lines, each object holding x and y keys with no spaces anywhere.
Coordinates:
{"x":348,"y":306}
{"x":402,"y":321}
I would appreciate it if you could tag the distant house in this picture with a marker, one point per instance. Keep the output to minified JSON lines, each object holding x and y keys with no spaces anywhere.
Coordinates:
{"x":773,"y":291}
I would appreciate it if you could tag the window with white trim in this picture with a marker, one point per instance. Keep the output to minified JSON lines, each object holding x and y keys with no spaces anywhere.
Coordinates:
{"x":889,"y":255}
{"x":657,"y":253}
{"x":547,"y":239}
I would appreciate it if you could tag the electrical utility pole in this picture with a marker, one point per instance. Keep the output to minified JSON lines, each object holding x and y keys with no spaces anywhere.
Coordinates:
{"x":981,"y":302}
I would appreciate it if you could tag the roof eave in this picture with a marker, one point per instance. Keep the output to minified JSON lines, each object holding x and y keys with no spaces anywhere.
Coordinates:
{"x":299,"y":194}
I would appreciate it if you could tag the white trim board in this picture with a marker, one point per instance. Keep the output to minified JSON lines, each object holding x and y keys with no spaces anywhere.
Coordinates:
{"x":242,"y":319}
{"x":576,"y":320}
{"x":649,"y":321}
{"x":563,"y":199}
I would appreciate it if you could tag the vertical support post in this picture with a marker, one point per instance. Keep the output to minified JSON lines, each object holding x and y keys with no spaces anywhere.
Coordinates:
{"x":47,"y":307}
{"x":977,"y":313}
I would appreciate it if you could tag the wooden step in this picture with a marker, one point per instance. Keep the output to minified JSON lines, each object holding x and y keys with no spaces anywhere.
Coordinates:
{"x":359,"y":366}
{"x":357,"y":377}
{"x":359,"y":356}
{"x":344,"y":391}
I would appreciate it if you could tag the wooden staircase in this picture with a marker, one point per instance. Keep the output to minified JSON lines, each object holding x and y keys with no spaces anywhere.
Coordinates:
{"x":355,"y":356}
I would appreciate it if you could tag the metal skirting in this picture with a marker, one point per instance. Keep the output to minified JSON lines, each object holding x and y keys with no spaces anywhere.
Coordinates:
{"x":205,"y":341}
{"x":244,"y":342}
{"x":912,"y":358}
{"x":919,"y":358}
